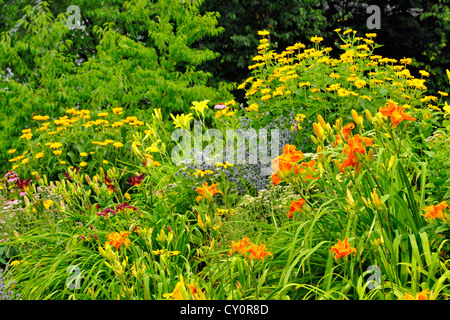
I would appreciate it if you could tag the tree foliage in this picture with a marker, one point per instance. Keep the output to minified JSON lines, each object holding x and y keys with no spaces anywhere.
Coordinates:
{"x":132,"y":54}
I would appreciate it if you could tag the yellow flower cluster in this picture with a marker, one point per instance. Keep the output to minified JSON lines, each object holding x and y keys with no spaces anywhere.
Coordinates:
{"x":356,"y":72}
{"x":51,"y":132}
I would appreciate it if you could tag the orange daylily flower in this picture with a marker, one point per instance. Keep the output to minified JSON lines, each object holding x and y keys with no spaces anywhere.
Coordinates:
{"x":395,"y":112}
{"x":245,"y":245}
{"x":296,"y":206}
{"x":282,"y":169}
{"x":240,"y":246}
{"x":117,"y":239}
{"x":346,"y":130}
{"x":207,"y":192}
{"x":258,"y":252}
{"x":342,"y":249}
{"x":306,"y":167}
{"x":424,"y":295}
{"x":354,"y":144}
{"x":436,"y":211}
{"x":286,"y":164}
{"x":196,"y":293}
{"x":290,"y":154}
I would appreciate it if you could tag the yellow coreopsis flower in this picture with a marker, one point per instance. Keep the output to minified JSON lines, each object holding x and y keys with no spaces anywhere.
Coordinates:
{"x":11,"y":151}
{"x":252,"y":107}
{"x":39,"y":155}
{"x":424,"y":73}
{"x":350,"y":30}
{"x":55,"y":145}
{"x":263,"y":33}
{"x":83,"y":154}
{"x":15,"y":263}
{"x":41,"y":118}
{"x":118,"y":144}
{"x":117,"y":111}
{"x":316,"y":39}
{"x":27,"y":136}
{"x":83,"y":164}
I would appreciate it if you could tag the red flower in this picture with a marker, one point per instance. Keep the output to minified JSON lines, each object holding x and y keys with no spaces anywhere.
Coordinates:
{"x":106,"y":212}
{"x":23,"y":184}
{"x":136,"y":180}
{"x":68,"y":176}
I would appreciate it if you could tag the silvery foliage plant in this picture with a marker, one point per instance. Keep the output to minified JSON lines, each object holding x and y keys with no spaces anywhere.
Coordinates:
{"x":250,"y":170}
{"x":5,"y":286}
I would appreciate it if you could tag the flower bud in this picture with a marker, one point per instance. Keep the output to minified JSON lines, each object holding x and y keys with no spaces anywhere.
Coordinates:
{"x":379,"y":117}
{"x":375,"y":200}
{"x":161,"y":237}
{"x":37,"y":177}
{"x":370,"y":155}
{"x":200,"y":222}
{"x":368,"y":115}
{"x":391,"y":162}
{"x":102,"y":252}
{"x":318,"y":131}
{"x":212,"y":244}
{"x":357,"y":118}
{"x":365,"y":201}
{"x":337,"y":163}
{"x":358,"y":167}
{"x":349,"y":198}
{"x":322,"y":122}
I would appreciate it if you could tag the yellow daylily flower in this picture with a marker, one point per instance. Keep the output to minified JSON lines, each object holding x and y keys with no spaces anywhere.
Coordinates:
{"x":182,"y":121}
